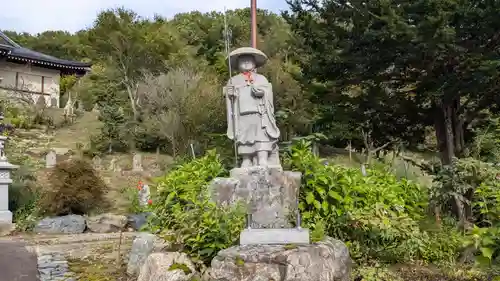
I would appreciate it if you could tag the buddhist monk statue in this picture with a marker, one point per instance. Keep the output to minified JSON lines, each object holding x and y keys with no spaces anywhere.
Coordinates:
{"x":250,"y":110}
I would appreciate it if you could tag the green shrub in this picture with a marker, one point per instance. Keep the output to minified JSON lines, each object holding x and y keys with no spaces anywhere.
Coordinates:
{"x":23,"y":191}
{"x":23,"y":198}
{"x":75,"y":188}
{"x":184,"y":214}
{"x":377,"y":215}
{"x":132,"y":195}
{"x":485,"y":236}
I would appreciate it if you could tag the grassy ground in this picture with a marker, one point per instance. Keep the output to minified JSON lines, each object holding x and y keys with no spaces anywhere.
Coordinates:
{"x":78,"y":133}
{"x":98,"y":270}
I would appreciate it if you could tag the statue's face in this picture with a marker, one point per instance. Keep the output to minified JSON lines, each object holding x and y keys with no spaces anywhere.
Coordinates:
{"x":246,"y":63}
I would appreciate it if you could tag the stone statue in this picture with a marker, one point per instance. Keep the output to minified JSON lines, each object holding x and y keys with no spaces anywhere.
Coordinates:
{"x":250,"y":110}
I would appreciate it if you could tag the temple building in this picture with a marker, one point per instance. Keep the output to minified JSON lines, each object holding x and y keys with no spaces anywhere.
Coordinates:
{"x":33,"y":74}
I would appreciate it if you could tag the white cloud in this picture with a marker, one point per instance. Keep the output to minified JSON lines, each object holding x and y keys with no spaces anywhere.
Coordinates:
{"x":36,"y":16}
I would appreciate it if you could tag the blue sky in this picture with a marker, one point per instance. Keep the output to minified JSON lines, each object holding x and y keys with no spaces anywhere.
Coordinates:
{"x":36,"y":16}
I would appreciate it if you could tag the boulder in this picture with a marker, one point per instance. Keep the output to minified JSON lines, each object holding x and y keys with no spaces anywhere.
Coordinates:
{"x":106,"y":223}
{"x":136,"y":221}
{"x":171,"y":266}
{"x":143,"y":245}
{"x":328,"y":260}
{"x":70,"y":224}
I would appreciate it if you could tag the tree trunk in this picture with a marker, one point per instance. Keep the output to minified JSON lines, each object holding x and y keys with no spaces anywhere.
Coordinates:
{"x":441,"y":135}
{"x":458,"y":129}
{"x":131,"y":97}
{"x":449,"y":134}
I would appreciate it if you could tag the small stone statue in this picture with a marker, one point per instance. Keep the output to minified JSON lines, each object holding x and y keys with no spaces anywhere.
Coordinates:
{"x":250,"y":110}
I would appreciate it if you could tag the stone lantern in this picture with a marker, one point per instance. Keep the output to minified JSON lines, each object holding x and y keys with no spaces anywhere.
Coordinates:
{"x":5,"y":180}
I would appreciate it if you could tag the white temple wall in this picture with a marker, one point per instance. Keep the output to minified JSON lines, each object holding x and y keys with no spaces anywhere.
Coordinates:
{"x":33,"y":81}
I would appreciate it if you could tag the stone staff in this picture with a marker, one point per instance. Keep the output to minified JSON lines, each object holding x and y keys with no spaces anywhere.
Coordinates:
{"x":229,"y":91}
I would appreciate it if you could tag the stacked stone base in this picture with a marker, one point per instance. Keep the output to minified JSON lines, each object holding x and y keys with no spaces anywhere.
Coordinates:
{"x":270,"y":248}
{"x":328,"y":260}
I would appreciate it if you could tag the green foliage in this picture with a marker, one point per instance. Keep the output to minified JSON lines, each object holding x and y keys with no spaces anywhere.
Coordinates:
{"x":74,"y":188}
{"x":486,"y":144}
{"x":485,"y":236}
{"x":459,"y":180}
{"x":319,"y":232}
{"x":180,"y":266}
{"x":23,"y":191}
{"x":23,"y":199}
{"x":377,"y":215}
{"x":375,"y":273}
{"x":185,"y":215}
{"x":397,"y":67}
{"x":134,"y":206}
{"x":415,"y":272}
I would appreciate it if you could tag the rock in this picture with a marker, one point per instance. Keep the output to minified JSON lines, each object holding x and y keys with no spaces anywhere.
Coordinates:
{"x":328,"y":260}
{"x":106,"y":223}
{"x":136,"y":221}
{"x":143,"y":245}
{"x":71,"y":224}
{"x":270,"y":194}
{"x":165,"y":267}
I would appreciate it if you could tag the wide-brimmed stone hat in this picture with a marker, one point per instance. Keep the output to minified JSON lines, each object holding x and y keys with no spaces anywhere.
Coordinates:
{"x":260,"y":57}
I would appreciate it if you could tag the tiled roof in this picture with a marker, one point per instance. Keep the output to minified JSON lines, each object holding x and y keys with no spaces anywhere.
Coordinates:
{"x":16,"y":52}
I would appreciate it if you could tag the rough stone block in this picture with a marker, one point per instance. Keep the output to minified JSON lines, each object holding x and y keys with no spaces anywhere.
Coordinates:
{"x":143,"y":245}
{"x":157,"y":267}
{"x":71,"y":224}
{"x":328,"y":260}
{"x":105,"y":223}
{"x":270,"y":194}
{"x":274,"y":236}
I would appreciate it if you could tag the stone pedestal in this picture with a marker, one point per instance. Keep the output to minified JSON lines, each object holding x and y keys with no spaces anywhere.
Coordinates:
{"x":328,"y":260}
{"x":5,"y":180}
{"x":269,"y":193}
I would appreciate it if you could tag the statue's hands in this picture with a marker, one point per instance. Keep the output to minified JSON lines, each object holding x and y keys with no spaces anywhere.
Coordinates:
{"x":230,"y":91}
{"x":256,"y":92}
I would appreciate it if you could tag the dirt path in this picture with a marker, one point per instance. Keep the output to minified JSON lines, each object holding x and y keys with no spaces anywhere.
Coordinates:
{"x":16,"y":262}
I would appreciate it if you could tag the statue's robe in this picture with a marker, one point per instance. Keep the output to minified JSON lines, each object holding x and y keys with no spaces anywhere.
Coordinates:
{"x":253,"y":118}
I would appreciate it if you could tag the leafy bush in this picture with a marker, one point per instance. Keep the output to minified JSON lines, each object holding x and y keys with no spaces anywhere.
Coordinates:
{"x":455,"y":185}
{"x":75,"y":188}
{"x":23,"y":198}
{"x":485,"y":236}
{"x":377,"y":215}
{"x":185,"y":215}
{"x":132,"y":195}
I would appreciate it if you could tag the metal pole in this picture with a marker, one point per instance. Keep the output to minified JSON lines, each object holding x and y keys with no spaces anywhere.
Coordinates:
{"x":253,"y":13}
